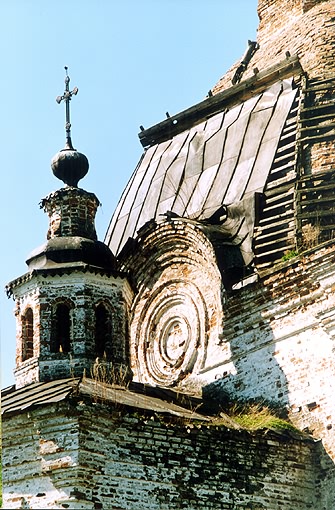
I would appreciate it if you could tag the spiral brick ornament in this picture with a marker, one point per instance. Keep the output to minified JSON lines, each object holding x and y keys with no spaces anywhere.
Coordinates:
{"x":177,"y":308}
{"x":171,"y":331}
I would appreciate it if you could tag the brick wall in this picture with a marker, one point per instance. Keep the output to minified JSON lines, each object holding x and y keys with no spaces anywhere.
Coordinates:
{"x":91,"y":456}
{"x":272,"y":341}
{"x":276,"y":15}
{"x":71,"y":212}
{"x":277,"y":337}
{"x":303,"y":28}
{"x":278,"y":344}
{"x":177,"y":310}
{"x":37,"y":449}
{"x":83,"y":291}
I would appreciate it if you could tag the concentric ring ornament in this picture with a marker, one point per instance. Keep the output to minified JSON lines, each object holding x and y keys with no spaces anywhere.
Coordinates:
{"x":172,"y":332}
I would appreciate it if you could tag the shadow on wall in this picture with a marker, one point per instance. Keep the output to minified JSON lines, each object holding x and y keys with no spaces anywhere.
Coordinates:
{"x":251,"y":373}
{"x":324,"y":478}
{"x":177,"y":309}
{"x":246,"y":471}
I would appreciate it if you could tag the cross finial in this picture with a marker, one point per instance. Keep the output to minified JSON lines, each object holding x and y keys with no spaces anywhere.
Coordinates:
{"x":66,"y":97}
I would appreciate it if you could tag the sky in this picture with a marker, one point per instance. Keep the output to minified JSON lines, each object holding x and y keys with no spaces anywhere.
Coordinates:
{"x":132,"y":61}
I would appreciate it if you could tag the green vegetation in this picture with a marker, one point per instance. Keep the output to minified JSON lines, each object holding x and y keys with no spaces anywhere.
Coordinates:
{"x":255,"y":417}
{"x":289,"y":255}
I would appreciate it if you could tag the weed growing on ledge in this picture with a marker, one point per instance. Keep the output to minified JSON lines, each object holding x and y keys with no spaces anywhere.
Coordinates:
{"x":310,"y":235}
{"x":105,"y":372}
{"x":256,"y":417}
{"x":289,"y":255}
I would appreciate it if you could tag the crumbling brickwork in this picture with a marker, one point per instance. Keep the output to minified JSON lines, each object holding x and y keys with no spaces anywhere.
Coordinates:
{"x":82,"y":292}
{"x":271,"y":341}
{"x":276,"y":15}
{"x":303,"y":28}
{"x":71,"y":213}
{"x":76,"y":303}
{"x":90,"y":456}
{"x":173,"y":324}
{"x":266,"y":335}
{"x":278,"y":340}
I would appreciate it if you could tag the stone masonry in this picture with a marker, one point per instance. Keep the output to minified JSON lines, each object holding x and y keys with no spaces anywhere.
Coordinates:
{"x":290,"y":26}
{"x":82,"y":291}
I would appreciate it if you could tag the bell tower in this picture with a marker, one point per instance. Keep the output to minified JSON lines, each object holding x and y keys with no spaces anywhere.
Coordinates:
{"x":72,"y":305}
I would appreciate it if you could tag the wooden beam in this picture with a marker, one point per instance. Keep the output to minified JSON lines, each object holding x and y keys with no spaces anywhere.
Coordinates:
{"x":322,"y":106}
{"x":322,"y":118}
{"x":281,"y":234}
{"x":318,"y":84}
{"x":217,"y":103}
{"x":317,"y":189}
{"x":316,"y":214}
{"x":317,"y":176}
{"x":273,"y":192}
{"x":282,"y":220}
{"x":317,"y":138}
{"x":277,"y":251}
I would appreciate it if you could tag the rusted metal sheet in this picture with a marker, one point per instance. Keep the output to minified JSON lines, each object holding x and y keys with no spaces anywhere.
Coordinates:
{"x":218,"y":162}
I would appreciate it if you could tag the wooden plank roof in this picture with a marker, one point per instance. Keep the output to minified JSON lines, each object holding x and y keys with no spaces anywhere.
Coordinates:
{"x":220,"y":161}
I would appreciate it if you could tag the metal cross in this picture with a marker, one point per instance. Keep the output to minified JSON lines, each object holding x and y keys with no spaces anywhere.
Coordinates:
{"x":66,"y":97}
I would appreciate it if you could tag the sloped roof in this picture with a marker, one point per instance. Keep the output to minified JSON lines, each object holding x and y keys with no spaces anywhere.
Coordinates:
{"x":16,"y":400}
{"x":221,"y":161}
{"x":136,"y":396}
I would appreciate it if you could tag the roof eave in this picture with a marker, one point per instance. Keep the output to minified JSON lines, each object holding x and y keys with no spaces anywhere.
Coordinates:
{"x":216,"y":103}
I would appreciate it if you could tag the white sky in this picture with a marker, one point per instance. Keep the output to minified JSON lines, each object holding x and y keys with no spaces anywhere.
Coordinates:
{"x":132,"y":61}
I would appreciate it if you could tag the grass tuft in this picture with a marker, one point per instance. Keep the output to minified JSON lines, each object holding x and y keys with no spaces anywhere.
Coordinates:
{"x":257,"y":417}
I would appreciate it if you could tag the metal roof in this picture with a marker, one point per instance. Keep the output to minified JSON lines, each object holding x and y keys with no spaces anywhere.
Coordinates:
{"x":221,"y":161}
{"x":16,"y":400}
{"x":39,"y":394}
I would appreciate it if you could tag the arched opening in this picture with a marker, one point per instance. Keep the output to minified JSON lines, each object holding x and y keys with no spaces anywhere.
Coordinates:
{"x":103,"y":331}
{"x":61,"y":329}
{"x":27,"y":335}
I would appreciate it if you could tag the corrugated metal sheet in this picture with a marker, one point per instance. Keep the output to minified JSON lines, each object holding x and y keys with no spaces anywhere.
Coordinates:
{"x":221,"y":161}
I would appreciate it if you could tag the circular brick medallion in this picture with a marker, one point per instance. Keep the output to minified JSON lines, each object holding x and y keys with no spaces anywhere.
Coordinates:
{"x":172,"y":331}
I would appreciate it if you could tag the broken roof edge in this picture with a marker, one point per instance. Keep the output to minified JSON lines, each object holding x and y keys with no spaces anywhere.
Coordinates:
{"x":136,"y":396}
{"x":214,"y":104}
{"x":76,"y":391}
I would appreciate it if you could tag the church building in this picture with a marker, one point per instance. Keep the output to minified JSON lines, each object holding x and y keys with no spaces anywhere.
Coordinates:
{"x":215,"y":284}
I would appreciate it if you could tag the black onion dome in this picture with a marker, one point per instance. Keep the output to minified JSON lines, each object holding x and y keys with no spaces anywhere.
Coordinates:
{"x":65,"y":251}
{"x":69,"y":166}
